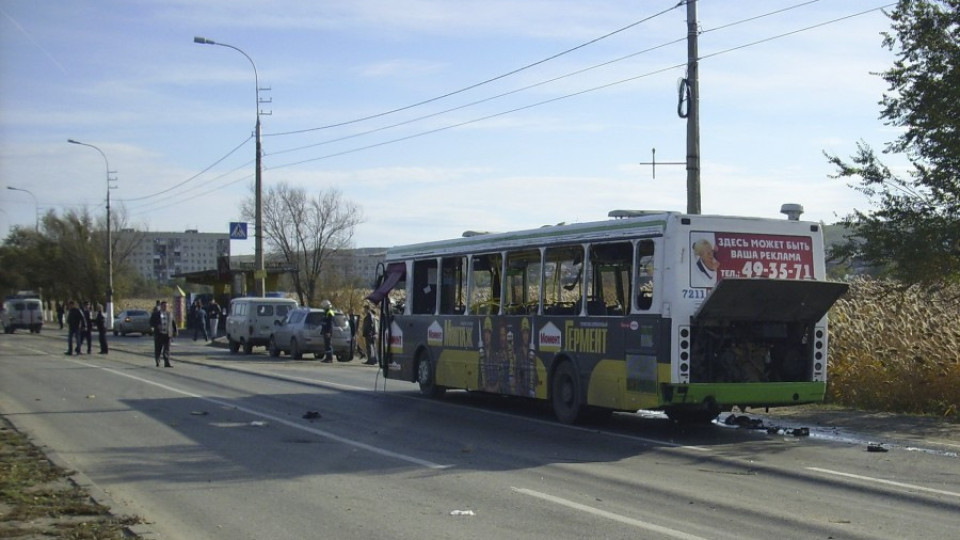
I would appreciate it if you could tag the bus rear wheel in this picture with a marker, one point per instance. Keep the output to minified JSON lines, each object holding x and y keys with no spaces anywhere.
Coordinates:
{"x":427,"y":377}
{"x":565,"y":394}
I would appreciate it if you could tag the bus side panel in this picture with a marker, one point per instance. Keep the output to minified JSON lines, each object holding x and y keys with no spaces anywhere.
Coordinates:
{"x":632,"y":382}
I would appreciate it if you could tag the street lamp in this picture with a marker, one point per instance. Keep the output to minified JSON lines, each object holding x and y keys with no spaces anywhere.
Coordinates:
{"x":259,"y":272}
{"x":109,"y":238}
{"x":36,"y":222}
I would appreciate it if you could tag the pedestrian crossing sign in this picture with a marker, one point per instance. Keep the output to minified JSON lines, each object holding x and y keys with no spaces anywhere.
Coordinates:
{"x":238,"y":230}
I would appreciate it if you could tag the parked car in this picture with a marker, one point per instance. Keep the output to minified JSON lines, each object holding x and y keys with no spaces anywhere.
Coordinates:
{"x":132,"y":321}
{"x":251,"y":321}
{"x":301,"y":332}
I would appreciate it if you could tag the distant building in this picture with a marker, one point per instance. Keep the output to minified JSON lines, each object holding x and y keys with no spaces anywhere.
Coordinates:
{"x":160,"y":255}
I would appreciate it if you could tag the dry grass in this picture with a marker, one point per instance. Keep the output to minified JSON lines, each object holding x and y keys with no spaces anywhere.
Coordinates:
{"x":38,"y":500}
{"x":895,"y":350}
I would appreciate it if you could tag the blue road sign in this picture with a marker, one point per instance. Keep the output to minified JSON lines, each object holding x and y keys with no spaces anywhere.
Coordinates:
{"x":238,"y":230}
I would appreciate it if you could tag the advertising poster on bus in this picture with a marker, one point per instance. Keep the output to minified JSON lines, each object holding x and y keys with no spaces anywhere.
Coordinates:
{"x":720,"y":255}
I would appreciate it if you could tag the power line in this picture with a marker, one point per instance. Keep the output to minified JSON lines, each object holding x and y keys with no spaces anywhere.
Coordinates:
{"x":476,"y":85}
{"x":212,"y":165}
{"x":581,"y":92}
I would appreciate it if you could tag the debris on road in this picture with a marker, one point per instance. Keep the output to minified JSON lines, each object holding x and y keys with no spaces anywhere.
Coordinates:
{"x":311,"y":415}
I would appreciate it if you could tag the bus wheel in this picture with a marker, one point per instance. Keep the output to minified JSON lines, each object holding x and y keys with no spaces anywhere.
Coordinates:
{"x":274,"y":350}
{"x":234,"y":346}
{"x":247,"y":347}
{"x":426,"y":376}
{"x":565,"y":394}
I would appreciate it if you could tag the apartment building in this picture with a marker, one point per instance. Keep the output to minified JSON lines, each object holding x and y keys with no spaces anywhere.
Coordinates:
{"x":161,"y":255}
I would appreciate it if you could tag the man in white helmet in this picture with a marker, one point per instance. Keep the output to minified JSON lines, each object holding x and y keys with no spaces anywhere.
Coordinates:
{"x":327,"y":328}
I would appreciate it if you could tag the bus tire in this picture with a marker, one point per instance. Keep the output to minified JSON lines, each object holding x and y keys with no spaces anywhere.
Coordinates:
{"x":427,"y":377}
{"x":234,"y":346}
{"x":565,"y":394}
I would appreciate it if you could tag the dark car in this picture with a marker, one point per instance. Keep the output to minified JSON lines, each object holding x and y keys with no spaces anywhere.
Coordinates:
{"x":132,"y":321}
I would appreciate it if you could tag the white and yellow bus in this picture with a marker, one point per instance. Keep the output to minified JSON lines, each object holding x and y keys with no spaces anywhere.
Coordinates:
{"x":689,"y":314}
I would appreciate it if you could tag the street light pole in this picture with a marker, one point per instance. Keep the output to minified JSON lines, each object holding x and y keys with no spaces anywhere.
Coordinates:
{"x":36,"y":222}
{"x":109,"y":317}
{"x":260,"y":273}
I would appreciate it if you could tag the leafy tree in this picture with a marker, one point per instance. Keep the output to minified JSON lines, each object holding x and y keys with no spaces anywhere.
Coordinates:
{"x":913,"y":232}
{"x":305,"y":233}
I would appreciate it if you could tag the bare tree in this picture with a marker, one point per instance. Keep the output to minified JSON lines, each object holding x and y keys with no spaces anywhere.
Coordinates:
{"x":305,"y":233}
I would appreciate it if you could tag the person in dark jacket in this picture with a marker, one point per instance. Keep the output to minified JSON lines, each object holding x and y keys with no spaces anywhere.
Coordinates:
{"x":74,"y":327}
{"x":198,"y":318}
{"x":369,"y":330}
{"x":100,"y":321}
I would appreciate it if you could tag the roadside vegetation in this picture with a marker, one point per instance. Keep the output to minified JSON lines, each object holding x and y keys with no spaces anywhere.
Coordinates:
{"x":39,"y":500}
{"x":895,"y":349}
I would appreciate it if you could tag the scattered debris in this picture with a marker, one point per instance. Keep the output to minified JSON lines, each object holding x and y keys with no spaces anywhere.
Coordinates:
{"x":311,"y":415}
{"x":876,"y":447}
{"x":199,"y":413}
{"x":462,"y":513}
{"x":746,"y":422}
{"x":258,"y":423}
{"x":91,"y":396}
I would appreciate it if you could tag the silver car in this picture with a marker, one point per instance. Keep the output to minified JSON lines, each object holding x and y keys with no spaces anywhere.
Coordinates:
{"x":132,"y":321}
{"x":301,"y":332}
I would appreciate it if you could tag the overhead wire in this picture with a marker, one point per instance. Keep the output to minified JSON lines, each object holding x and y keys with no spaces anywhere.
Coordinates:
{"x":578,"y":93}
{"x":481,"y":83}
{"x":484,"y":100}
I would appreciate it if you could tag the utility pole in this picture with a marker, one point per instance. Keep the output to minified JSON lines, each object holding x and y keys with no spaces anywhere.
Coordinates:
{"x":693,"y":112}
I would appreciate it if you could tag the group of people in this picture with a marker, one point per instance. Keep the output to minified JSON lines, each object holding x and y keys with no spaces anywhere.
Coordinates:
{"x":81,"y":321}
{"x":204,"y":320}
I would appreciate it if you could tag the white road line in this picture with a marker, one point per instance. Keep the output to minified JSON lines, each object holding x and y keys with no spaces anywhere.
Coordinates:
{"x":609,"y":515}
{"x":646,"y":440}
{"x":276,"y":419}
{"x":885,"y":482}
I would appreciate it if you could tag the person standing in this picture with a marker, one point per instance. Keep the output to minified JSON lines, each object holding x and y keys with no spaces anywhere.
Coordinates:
{"x":199,"y":319}
{"x":369,"y":329}
{"x":87,"y":332}
{"x":327,"y":329}
{"x":100,"y":321}
{"x":60,"y":313}
{"x":164,"y":330}
{"x":213,"y":315}
{"x":74,"y":327}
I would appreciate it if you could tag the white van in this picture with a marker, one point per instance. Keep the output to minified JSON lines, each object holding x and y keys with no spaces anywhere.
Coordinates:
{"x":250,"y":321}
{"x":22,"y":312}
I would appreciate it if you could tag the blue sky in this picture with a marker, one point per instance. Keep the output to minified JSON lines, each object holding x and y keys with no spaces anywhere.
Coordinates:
{"x":175,"y":118}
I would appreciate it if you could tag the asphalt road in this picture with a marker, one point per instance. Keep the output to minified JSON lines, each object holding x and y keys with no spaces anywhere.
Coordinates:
{"x":218,"y":448}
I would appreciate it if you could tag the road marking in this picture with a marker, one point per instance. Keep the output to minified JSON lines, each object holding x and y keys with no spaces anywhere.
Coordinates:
{"x":609,"y":515}
{"x":646,"y":440}
{"x":276,"y":419}
{"x":885,"y":482}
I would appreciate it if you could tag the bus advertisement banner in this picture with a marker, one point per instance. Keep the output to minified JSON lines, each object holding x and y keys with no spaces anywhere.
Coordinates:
{"x":721,"y":255}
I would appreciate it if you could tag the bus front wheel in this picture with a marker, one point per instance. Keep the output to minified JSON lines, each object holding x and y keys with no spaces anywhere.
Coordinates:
{"x":565,"y":394}
{"x":427,"y":377}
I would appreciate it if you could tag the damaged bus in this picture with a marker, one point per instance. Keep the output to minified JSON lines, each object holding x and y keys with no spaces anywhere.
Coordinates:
{"x":688,"y":314}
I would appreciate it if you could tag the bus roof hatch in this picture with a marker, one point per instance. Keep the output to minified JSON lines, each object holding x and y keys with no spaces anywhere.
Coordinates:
{"x":775,"y":300}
